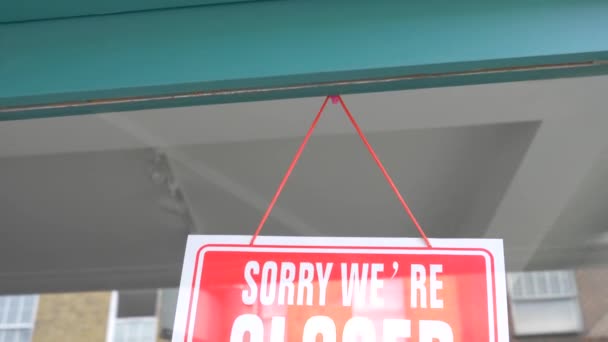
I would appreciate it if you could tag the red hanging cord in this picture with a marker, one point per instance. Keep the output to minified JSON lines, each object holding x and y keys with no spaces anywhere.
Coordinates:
{"x":385,"y":173}
{"x":289,"y":171}
{"x":336,"y":99}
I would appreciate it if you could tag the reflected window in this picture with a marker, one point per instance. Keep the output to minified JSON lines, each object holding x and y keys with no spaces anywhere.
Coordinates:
{"x":135,"y":329}
{"x":136,"y":319}
{"x":544,"y":303}
{"x":17,"y":318}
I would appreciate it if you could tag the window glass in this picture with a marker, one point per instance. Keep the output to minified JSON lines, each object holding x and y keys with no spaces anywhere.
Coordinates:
{"x":16,"y":318}
{"x":99,"y":203}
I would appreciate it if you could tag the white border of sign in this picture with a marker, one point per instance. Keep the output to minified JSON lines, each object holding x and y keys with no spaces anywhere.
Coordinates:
{"x":195,"y":242}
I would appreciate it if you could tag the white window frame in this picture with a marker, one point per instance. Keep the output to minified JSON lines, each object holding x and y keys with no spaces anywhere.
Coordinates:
{"x":20,"y":326}
{"x":112,"y":312}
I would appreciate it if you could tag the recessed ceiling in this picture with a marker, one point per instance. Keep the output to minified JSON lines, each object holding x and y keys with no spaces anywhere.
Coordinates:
{"x":81,"y":208}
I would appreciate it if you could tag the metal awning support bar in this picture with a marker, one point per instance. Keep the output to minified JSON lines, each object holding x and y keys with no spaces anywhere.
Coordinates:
{"x":296,"y":87}
{"x":264,"y":50}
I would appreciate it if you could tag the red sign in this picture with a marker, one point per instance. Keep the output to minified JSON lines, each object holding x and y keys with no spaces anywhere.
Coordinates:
{"x":275,"y":292}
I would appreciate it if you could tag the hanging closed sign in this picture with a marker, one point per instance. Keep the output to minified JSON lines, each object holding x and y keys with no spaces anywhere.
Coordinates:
{"x":341,"y":289}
